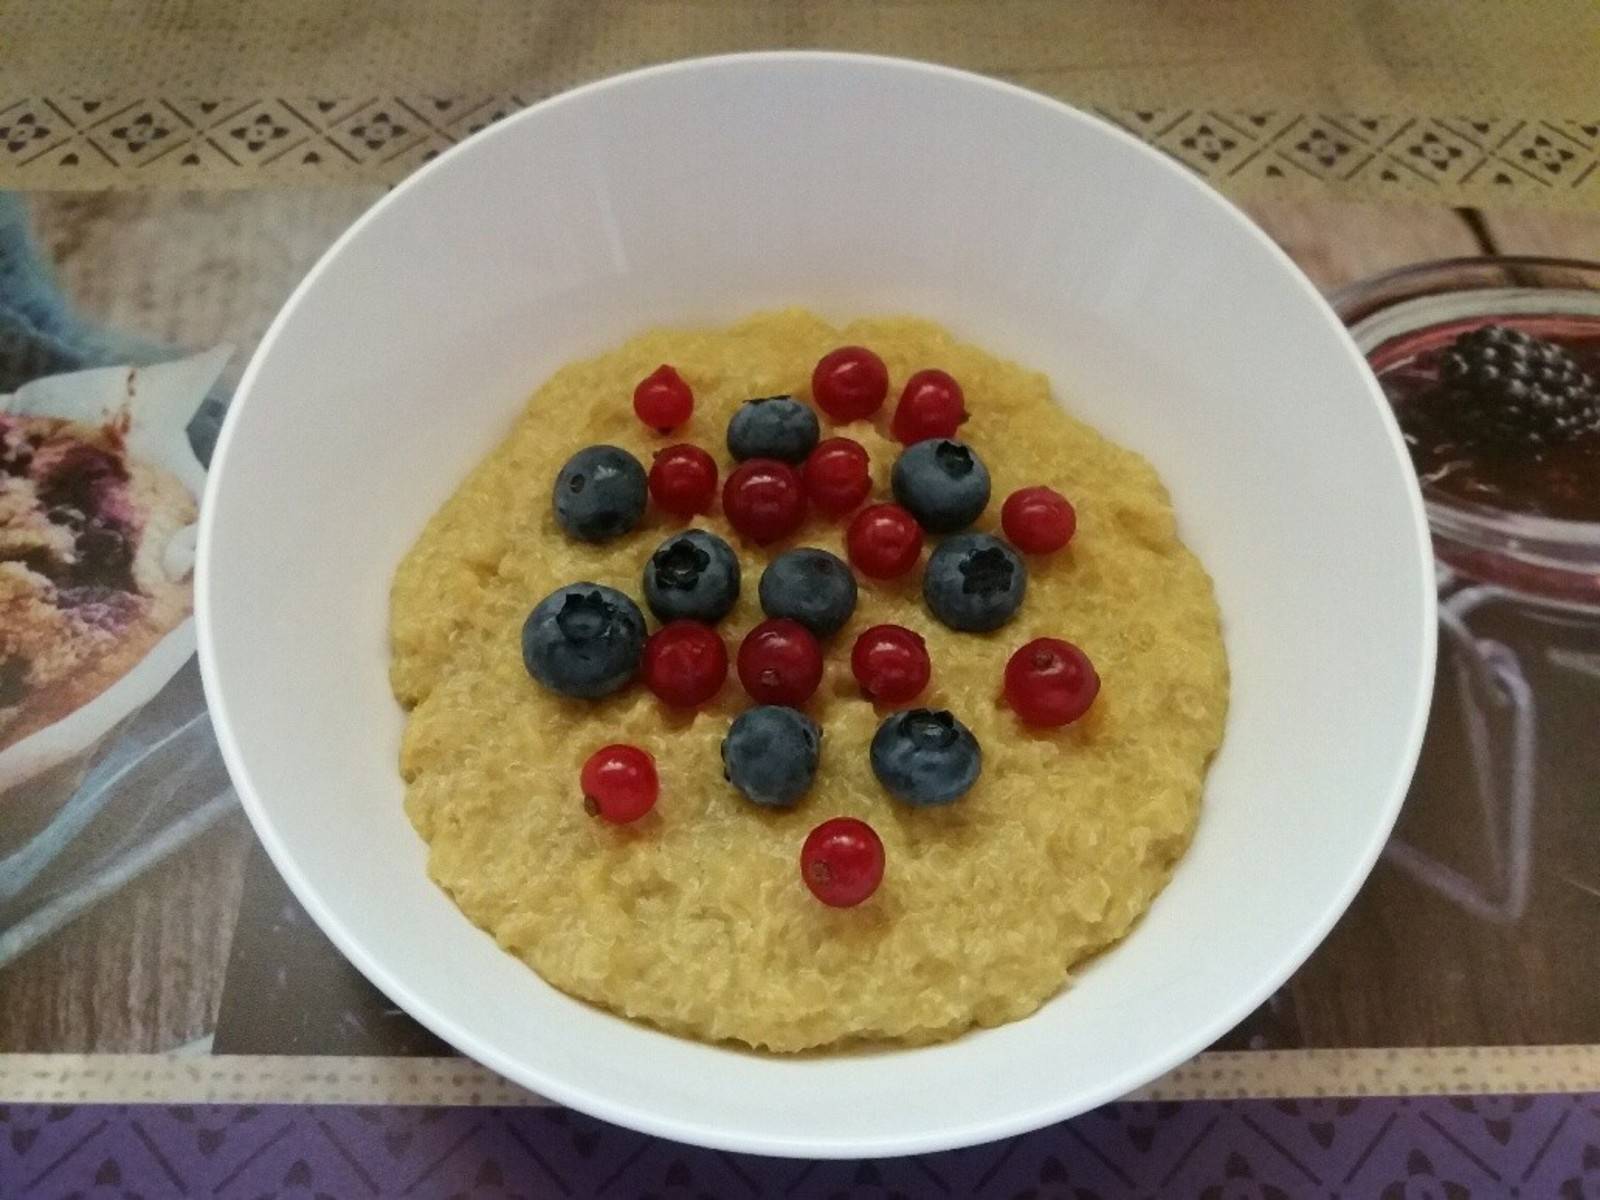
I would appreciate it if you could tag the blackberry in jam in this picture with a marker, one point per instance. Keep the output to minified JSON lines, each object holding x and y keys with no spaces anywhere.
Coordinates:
{"x":1506,"y":392}
{"x":1501,"y":415}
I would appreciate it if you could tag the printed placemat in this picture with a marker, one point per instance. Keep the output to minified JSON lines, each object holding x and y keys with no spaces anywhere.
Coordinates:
{"x":1457,"y":101}
{"x":1252,"y":1124}
{"x":1545,"y":1146}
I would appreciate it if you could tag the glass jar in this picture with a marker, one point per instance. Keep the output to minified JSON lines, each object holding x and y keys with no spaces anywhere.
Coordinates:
{"x":1398,"y":316}
{"x":1519,"y":591}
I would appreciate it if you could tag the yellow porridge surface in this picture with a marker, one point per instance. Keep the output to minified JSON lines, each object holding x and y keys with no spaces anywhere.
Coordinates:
{"x":695,"y":918}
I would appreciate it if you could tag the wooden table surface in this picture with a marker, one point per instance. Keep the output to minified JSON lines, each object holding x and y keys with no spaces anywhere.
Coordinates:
{"x":144,"y":971}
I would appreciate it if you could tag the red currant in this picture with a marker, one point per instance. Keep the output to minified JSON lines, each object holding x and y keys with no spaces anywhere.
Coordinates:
{"x":890,"y":662}
{"x":780,"y":662}
{"x":684,"y":663}
{"x":836,"y":475}
{"x":764,"y":499}
{"x":619,"y":784}
{"x":850,"y":383}
{"x":663,"y":400}
{"x":931,"y":406}
{"x":1038,"y":520}
{"x":842,"y":861}
{"x":883,"y":541}
{"x":683,"y":480}
{"x":1050,"y":682}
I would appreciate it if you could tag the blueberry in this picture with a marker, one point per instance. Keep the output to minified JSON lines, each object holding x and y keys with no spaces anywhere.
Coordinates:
{"x":583,"y":640}
{"x":941,"y":483}
{"x":600,"y":493}
{"x":974,"y":582}
{"x":694,"y":575}
{"x":770,"y":754}
{"x":925,"y":757}
{"x":810,"y":586}
{"x":777,"y":427}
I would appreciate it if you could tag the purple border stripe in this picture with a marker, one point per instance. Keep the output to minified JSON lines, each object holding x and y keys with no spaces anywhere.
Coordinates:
{"x":1455,"y":1148}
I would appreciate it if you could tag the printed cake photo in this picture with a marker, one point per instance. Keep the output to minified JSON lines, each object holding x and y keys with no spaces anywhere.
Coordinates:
{"x":793,"y":686}
{"x":87,"y":582}
{"x":99,"y":498}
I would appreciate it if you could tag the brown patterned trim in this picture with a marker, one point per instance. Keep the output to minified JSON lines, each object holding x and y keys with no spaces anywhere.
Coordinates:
{"x":66,"y":142}
{"x":251,"y":1079}
{"x":1246,"y":1074}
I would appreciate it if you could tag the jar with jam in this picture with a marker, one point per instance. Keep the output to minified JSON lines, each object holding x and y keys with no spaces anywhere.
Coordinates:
{"x":1493,"y":368}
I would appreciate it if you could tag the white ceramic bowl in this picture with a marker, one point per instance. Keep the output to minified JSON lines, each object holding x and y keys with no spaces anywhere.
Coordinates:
{"x":697,"y":192}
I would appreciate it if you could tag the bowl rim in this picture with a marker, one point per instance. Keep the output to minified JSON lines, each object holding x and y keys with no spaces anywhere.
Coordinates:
{"x":619,"y":1109}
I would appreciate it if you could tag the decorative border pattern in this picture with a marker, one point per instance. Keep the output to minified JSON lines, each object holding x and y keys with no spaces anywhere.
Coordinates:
{"x":1544,"y":1147}
{"x":1451,"y":157}
{"x":231,"y":142}
{"x":1216,"y":1075}
{"x":238,"y":142}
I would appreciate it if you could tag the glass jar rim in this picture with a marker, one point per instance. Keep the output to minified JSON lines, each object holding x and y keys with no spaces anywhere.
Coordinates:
{"x":1351,"y":300}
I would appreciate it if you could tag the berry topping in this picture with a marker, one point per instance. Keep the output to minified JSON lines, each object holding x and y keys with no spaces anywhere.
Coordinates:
{"x":692,"y":575}
{"x":13,"y":680}
{"x":837,"y":476}
{"x":105,"y":553}
{"x":884,"y":541}
{"x":850,"y":383}
{"x":1038,"y":520}
{"x":79,"y":474}
{"x":683,"y":480}
{"x":583,"y":640}
{"x":842,"y":862}
{"x":942,"y":483}
{"x":810,"y":586}
{"x":974,"y":582}
{"x":777,"y":427}
{"x":780,"y":662}
{"x":684,"y":663}
{"x":770,"y":755}
{"x":619,"y":784}
{"x":931,"y":406}
{"x":1050,"y":682}
{"x":891,"y":664}
{"x":1503,"y":391}
{"x":764,"y":500}
{"x":663,"y":400}
{"x":600,"y":493}
{"x":925,"y":757}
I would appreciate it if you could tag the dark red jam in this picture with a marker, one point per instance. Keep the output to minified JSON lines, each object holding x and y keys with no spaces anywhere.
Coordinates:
{"x":1560,"y":480}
